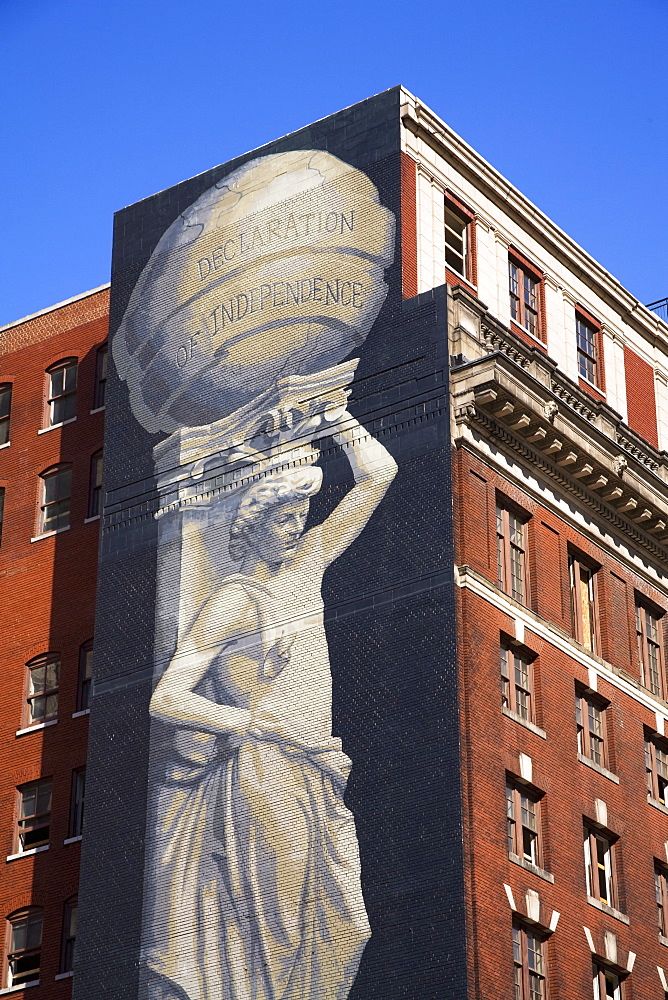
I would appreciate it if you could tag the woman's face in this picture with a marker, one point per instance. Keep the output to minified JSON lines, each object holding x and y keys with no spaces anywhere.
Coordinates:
{"x":274,"y":538}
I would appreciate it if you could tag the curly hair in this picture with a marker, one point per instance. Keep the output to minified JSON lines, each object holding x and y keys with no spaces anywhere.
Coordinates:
{"x":278,"y":488}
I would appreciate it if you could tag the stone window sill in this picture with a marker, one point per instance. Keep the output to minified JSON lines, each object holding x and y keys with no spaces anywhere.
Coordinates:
{"x":49,"y":534}
{"x":598,"y":768}
{"x":64,"y":975}
{"x":540,"y":872}
{"x":98,"y":409}
{"x":5,"y":445}
{"x":524,"y":722}
{"x":663,"y":940}
{"x":27,"y":854}
{"x":73,"y":840}
{"x":34,"y":729}
{"x":23,"y":986}
{"x":657,"y":805}
{"x":95,"y":517}
{"x":54,"y":427}
{"x":83,"y":711}
{"x":610,"y":910}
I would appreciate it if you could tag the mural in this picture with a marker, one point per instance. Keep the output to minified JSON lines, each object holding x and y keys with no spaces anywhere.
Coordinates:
{"x":234,"y":345}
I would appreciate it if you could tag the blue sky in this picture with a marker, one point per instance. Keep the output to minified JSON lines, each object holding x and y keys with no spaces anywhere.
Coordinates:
{"x":104,"y":103}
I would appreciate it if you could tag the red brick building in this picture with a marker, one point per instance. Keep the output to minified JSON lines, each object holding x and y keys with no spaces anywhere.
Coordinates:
{"x":52,"y":372}
{"x":559,"y":418}
{"x":558,"y":389}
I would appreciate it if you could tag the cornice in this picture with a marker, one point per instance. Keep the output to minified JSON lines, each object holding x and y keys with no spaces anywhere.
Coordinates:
{"x":549,"y":427}
{"x":425,"y":125}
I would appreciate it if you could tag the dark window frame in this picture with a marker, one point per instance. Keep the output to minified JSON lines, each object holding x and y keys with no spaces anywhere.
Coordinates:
{"x":600,"y":855}
{"x":61,"y":504}
{"x":95,"y":487}
{"x":85,"y":678}
{"x":100,"y":391}
{"x":586,"y":631}
{"x":661,"y":894}
{"x":529,"y":963}
{"x":525,"y":292}
{"x":68,"y":939}
{"x":587,"y":340}
{"x":61,"y":401}
{"x":77,"y":802}
{"x":39,"y":822}
{"x":600,"y":972}
{"x":656,"y":767}
{"x":592,"y":739}
{"x":29,"y":951}
{"x":512,"y":556}
{"x":518,"y":683}
{"x":460,"y":238}
{"x":50,"y":692}
{"x":6,"y":389}
{"x":648,"y":619}
{"x":524,"y":806}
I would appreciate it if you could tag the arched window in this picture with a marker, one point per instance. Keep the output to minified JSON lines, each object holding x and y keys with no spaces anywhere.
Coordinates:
{"x":25,"y":945}
{"x":85,"y":675}
{"x":62,"y":391}
{"x":43,"y":683}
{"x":55,"y":500}
{"x":95,"y":490}
{"x":69,"y":938}
{"x":100,"y":378}
{"x":5,"y":411}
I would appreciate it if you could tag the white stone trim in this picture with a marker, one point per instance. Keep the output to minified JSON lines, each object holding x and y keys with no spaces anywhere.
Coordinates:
{"x":469,"y":579}
{"x":54,"y":427}
{"x":35,"y":729}
{"x":27,"y":854}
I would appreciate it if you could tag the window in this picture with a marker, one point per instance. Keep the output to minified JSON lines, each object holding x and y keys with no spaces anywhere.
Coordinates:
{"x":55,"y":505}
{"x":650,"y":653}
{"x":100,"y":378}
{"x":62,"y":400}
{"x":661,"y":887}
{"x":77,"y":805}
{"x":2,"y":510}
{"x":511,"y":553}
{"x":583,"y":602}
{"x":70,"y":913}
{"x":517,"y":683}
{"x":599,"y":866}
{"x":587,"y":343}
{"x":524,"y":287}
{"x":529,"y":964}
{"x":85,"y":675}
{"x":34,"y":814}
{"x":607,"y":985}
{"x":43,"y":681}
{"x":523,"y":823}
{"x":95,"y":492}
{"x":25,"y":947}
{"x":656,"y":766}
{"x":590,"y":714}
{"x":456,"y":239}
{"x":5,"y":410}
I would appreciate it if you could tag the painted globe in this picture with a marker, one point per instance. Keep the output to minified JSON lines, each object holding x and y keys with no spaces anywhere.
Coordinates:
{"x":278,"y":269}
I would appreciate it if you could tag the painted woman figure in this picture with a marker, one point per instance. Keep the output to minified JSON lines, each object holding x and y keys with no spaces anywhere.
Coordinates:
{"x":255,"y":884}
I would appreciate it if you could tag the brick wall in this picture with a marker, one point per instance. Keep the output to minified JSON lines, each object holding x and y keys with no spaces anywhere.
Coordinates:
{"x":48,"y":589}
{"x":640,"y":396}
{"x":492,"y":743}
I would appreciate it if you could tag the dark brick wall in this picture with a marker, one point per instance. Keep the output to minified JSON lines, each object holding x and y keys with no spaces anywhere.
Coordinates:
{"x":389,"y":604}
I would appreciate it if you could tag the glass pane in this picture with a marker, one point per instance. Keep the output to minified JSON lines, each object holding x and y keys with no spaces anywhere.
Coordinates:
{"x":70,"y":383}
{"x":5,"y":401}
{"x":57,"y":382}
